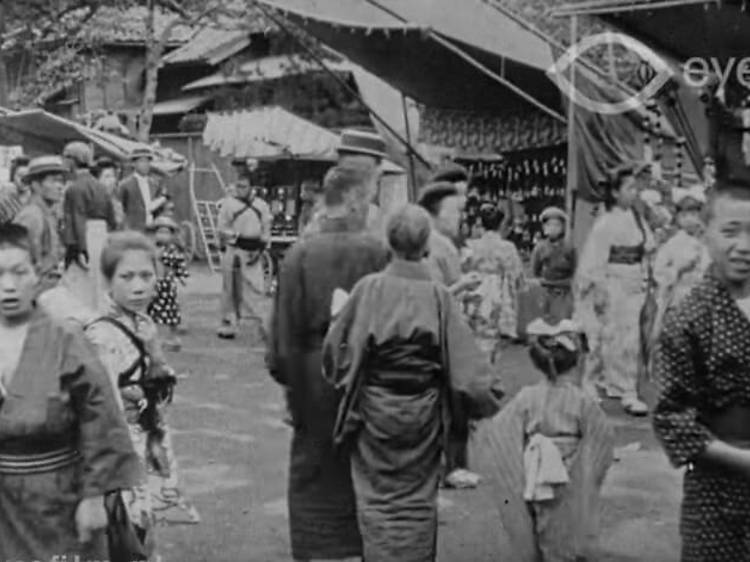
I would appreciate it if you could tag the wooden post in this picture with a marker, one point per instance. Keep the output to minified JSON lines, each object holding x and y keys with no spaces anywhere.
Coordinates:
{"x":572,"y":180}
{"x":412,"y":172}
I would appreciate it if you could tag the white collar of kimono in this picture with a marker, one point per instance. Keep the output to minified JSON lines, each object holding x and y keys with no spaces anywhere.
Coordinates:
{"x":696,"y":192}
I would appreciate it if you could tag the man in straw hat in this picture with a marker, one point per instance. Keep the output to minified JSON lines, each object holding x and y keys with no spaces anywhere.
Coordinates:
{"x":141,"y":197}
{"x":244,"y":226}
{"x":46,"y":176}
{"x":88,"y":214}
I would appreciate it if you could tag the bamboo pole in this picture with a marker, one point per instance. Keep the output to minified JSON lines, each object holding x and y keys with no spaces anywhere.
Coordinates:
{"x":572,"y":179}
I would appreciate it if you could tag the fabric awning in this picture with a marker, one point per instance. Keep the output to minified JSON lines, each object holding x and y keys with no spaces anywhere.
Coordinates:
{"x":266,"y":68}
{"x":40,"y":133}
{"x":209,"y":46}
{"x":438,"y":52}
{"x":180,"y":105}
{"x":272,"y":133}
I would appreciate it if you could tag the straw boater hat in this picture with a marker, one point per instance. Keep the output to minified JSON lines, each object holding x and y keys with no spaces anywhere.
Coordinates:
{"x":361,"y":142}
{"x":164,"y":222}
{"x":434,"y":192}
{"x":141,"y":152}
{"x":45,"y":165}
{"x":553,"y":213}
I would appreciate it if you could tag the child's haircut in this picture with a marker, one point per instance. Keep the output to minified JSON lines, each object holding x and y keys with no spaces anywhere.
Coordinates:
{"x":552,"y":357}
{"x":734,"y":192}
{"x":15,"y":236}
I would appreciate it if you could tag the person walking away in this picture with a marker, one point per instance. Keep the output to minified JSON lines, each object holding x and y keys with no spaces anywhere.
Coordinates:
{"x":554,"y":262}
{"x":322,"y":509}
{"x":442,"y":201}
{"x":459,"y":177}
{"x":46,"y":178}
{"x":701,"y":417}
{"x":549,"y":451}
{"x":164,"y":309}
{"x":88,"y":215}
{"x":106,"y":171}
{"x":611,"y":274}
{"x":64,"y":444}
{"x":396,"y":351}
{"x":682,"y":261}
{"x":141,"y":197}
{"x":493,"y":312}
{"x":127,"y":343}
{"x":244,"y":226}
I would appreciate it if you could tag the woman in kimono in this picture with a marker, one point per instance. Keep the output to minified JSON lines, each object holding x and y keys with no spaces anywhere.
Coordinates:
{"x":127,"y":342}
{"x":547,"y":454}
{"x":63,"y":442}
{"x":400,"y":353}
{"x":492,"y":308}
{"x":611,"y":282}
{"x":683,"y":260}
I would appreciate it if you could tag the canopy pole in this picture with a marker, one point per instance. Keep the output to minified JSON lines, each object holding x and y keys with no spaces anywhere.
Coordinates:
{"x":572,"y":179}
{"x":410,"y":149}
{"x":412,"y":171}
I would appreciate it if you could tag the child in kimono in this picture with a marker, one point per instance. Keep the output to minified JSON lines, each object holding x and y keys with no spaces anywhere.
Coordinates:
{"x":165,"y":308}
{"x":550,"y":449}
{"x":682,"y":261}
{"x":702,"y":417}
{"x":553,"y":262}
{"x":127,"y":342}
{"x":64,"y":444}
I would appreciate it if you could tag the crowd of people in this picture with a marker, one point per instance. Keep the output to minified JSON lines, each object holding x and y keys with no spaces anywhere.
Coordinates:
{"x":388,"y":335}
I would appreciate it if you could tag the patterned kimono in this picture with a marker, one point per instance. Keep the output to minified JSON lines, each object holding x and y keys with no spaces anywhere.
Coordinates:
{"x":118,"y":353}
{"x":399,"y":351}
{"x":679,"y":266}
{"x":493,"y":306}
{"x":561,"y":528}
{"x":322,"y":509}
{"x":702,"y":364}
{"x":611,"y":291}
{"x":165,"y":308}
{"x":62,"y":439}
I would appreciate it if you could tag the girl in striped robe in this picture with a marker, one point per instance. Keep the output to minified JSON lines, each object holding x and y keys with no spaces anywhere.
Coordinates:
{"x":547,"y":454}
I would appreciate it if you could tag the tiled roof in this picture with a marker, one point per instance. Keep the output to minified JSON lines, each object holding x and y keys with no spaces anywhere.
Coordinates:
{"x":113,"y":26}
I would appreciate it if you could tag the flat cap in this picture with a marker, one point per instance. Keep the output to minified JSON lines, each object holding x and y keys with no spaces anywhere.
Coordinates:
{"x":141,"y":152}
{"x":553,"y":213}
{"x":80,"y":152}
{"x":434,"y":192}
{"x":362,"y":142}
{"x":452,"y":173}
{"x":44,"y":165}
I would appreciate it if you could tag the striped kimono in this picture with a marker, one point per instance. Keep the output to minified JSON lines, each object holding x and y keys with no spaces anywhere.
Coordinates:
{"x":564,"y":527}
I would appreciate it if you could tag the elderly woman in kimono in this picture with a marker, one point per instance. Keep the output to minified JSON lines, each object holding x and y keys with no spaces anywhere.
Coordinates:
{"x":493,"y":305}
{"x":63,"y":442}
{"x":126,"y":340}
{"x":547,"y":453}
{"x":683,"y":260}
{"x":400,"y":352}
{"x":611,"y":282}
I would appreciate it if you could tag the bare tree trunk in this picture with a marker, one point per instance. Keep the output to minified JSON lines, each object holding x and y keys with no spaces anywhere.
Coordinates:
{"x":4,"y":86}
{"x":153,"y":58}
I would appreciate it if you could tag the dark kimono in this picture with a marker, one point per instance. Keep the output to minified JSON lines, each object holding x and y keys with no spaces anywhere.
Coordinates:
{"x":62,"y":438}
{"x":554,"y":263}
{"x":322,"y":511}
{"x":401,"y":352}
{"x":702,"y":366}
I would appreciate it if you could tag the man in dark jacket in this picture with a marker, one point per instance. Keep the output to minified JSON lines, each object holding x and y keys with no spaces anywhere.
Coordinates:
{"x":141,"y":196}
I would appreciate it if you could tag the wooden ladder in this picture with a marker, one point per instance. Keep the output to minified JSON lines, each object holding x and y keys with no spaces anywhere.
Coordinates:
{"x":206,"y":213}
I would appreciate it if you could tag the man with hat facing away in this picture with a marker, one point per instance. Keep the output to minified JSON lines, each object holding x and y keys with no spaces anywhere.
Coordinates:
{"x":554,"y":263}
{"x":141,"y":197}
{"x":443,"y":202}
{"x":46,"y":176}
{"x":88,"y":214}
{"x":244,"y":226}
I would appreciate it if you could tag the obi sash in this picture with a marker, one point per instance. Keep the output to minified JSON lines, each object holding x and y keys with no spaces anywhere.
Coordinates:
{"x":626,"y":255}
{"x":731,"y":425}
{"x":37,"y":463}
{"x":248,"y":243}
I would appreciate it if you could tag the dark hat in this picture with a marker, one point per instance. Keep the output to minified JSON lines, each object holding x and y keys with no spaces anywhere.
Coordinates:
{"x":45,"y":165}
{"x":141,"y":152}
{"x":453,"y":173}
{"x":433,"y":193}
{"x":553,"y":213}
{"x":362,"y":142}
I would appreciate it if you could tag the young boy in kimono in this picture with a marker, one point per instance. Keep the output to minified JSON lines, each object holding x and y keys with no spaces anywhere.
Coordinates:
{"x":702,"y":365}
{"x":554,"y":262}
{"x":550,"y":449}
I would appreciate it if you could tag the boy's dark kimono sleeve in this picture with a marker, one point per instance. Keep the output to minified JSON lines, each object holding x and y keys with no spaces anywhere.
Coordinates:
{"x":676,"y":414}
{"x":109,"y":460}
